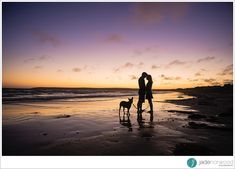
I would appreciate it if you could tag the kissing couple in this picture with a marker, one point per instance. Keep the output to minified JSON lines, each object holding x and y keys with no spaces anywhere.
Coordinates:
{"x":145,"y":92}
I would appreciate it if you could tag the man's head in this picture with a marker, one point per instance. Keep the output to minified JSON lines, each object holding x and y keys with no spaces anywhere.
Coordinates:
{"x":144,"y":74}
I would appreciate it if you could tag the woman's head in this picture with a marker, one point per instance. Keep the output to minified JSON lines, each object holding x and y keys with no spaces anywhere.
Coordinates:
{"x":149,"y":78}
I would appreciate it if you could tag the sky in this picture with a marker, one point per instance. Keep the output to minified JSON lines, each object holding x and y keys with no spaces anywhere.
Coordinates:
{"x":79,"y":44}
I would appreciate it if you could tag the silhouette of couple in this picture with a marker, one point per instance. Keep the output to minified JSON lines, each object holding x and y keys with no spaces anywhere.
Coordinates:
{"x":145,"y":92}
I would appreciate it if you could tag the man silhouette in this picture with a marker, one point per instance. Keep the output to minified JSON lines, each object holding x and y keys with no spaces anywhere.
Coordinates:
{"x":141,"y":92}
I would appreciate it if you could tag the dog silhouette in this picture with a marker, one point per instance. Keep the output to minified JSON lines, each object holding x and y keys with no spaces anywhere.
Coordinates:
{"x":127,"y":105}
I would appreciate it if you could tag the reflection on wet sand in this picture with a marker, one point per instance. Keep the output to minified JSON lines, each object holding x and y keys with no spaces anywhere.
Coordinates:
{"x":125,"y":121}
{"x":144,"y":123}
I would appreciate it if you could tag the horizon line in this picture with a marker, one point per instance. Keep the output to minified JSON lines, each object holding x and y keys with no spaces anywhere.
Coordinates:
{"x":104,"y":87}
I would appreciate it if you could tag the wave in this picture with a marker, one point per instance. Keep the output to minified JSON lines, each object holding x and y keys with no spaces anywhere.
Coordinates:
{"x":38,"y":94}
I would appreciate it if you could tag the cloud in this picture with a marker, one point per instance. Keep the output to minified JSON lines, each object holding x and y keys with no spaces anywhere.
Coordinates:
{"x":126,"y":65}
{"x":44,"y":57}
{"x":210,"y":80}
{"x":228,"y":81}
{"x":212,"y":49}
{"x":177,"y":78}
{"x":228,"y":70}
{"x":205,"y":59}
{"x":76,"y":69}
{"x":145,"y":51}
{"x":45,"y":37}
{"x":59,"y":70}
{"x":114,"y":38}
{"x":198,"y":74}
{"x":155,"y":67}
{"x":37,"y":67}
{"x":170,"y":77}
{"x":116,"y":70}
{"x":133,"y":77}
{"x":38,"y":58}
{"x":88,"y":68}
{"x":176,"y":62}
{"x":193,"y":80}
{"x":137,"y":52}
{"x":150,"y":13}
{"x":216,"y":84}
{"x":141,"y":64}
{"x":85,"y":67}
{"x":29,"y":60}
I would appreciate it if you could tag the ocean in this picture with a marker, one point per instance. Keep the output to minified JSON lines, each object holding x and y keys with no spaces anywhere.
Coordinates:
{"x":10,"y":95}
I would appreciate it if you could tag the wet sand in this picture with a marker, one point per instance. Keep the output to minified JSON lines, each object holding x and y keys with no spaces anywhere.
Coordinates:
{"x":183,"y":124}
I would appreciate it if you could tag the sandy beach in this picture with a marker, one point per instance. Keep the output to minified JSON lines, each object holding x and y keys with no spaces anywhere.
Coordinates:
{"x":185,"y":122}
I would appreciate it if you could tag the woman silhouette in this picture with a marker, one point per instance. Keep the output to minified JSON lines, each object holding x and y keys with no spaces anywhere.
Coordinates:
{"x":149,"y":94}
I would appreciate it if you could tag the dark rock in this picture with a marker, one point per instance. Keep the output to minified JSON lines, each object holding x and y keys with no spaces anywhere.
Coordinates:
{"x":206,"y":102}
{"x":226,"y":114}
{"x":191,"y":149}
{"x":195,"y":125}
{"x":63,"y":116}
{"x":213,"y":119}
{"x":35,"y":112}
{"x":196,"y":116}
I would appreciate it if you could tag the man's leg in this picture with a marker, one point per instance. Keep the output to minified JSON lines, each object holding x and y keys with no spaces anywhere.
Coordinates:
{"x":139,"y":105}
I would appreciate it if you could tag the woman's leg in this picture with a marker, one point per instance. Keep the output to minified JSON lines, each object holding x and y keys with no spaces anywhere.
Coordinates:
{"x":150,"y":104}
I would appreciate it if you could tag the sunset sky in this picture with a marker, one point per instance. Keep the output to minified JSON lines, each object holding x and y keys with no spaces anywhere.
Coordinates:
{"x":111,"y":44}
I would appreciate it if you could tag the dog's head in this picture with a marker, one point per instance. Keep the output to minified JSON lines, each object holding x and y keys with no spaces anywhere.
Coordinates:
{"x":130,"y":100}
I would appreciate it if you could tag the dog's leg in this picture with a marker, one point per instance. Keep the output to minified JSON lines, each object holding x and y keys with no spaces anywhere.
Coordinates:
{"x":128,"y":113}
{"x":124,"y":110}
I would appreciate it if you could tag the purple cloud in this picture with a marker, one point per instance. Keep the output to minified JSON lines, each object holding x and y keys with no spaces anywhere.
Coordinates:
{"x":45,"y":37}
{"x":208,"y":58}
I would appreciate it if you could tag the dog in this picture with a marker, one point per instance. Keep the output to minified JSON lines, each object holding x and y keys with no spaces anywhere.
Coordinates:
{"x":127,"y":105}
